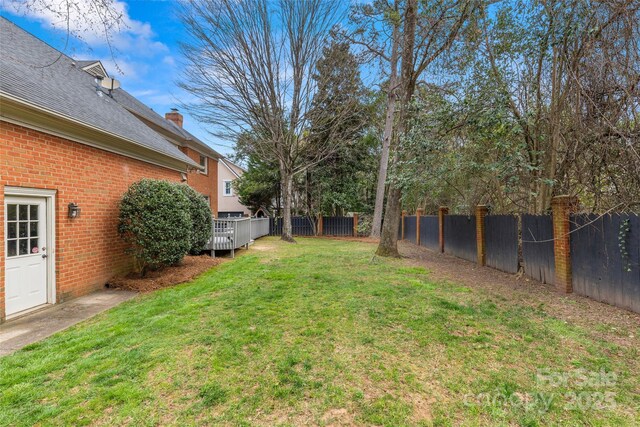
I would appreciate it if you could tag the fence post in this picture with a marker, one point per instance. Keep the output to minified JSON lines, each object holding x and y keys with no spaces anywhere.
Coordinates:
{"x":404,"y":213}
{"x":481,"y":212}
{"x":562,"y":207}
{"x":355,"y":225}
{"x":319,"y":229}
{"x":441,"y":213}
{"x":419,"y":212}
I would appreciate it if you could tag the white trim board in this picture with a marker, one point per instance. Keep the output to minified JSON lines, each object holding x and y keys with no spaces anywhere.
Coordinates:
{"x":230,"y":169}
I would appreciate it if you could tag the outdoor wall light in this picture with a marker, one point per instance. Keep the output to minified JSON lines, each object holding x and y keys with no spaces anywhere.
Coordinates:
{"x":74,"y":210}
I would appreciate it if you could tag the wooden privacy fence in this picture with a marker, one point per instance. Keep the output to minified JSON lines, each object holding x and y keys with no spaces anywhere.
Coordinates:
{"x":323,"y":226}
{"x":301,"y":226}
{"x":429,"y":234}
{"x":537,"y":247}
{"x":337,"y":226}
{"x":594,"y":256}
{"x":410,"y":228}
{"x":605,"y":258}
{"x":460,"y":232}
{"x":501,"y":242}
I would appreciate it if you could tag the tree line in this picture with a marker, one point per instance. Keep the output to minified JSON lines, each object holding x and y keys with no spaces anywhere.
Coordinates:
{"x":403,"y":103}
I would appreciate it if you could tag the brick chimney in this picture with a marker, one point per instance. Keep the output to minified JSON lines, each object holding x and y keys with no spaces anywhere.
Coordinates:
{"x":174,"y":116}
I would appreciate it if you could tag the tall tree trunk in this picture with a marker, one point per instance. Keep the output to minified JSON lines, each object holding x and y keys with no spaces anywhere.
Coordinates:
{"x":376,"y":224}
{"x":389,"y":239}
{"x":287,"y":196}
{"x":388,"y":246}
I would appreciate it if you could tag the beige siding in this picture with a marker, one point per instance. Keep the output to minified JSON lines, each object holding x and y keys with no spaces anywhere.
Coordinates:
{"x":228,"y":203}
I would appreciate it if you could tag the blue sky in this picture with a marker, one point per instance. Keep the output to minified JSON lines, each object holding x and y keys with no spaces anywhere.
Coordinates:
{"x":147,"y":54}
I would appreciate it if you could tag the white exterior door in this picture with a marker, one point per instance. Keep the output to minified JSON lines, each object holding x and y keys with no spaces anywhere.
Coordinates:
{"x":26,"y":253}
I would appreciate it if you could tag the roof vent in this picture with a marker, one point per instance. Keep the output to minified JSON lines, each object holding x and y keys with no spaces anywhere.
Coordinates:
{"x":98,"y":82}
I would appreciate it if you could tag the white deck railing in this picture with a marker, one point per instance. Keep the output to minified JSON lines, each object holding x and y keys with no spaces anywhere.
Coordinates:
{"x":259,"y":227}
{"x":229,"y":234}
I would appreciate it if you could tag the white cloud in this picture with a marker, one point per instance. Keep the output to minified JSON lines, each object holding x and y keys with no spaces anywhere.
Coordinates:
{"x":96,"y":23}
{"x":119,"y":67}
{"x":169,"y":60}
{"x":143,"y":92}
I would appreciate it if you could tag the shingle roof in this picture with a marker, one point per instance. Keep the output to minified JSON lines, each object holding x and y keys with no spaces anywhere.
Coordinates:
{"x":84,"y":62}
{"x":34,"y":72}
{"x":132,"y":104}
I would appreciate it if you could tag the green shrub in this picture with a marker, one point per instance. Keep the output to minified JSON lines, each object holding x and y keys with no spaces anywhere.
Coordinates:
{"x":156,"y":223}
{"x":200,"y":217}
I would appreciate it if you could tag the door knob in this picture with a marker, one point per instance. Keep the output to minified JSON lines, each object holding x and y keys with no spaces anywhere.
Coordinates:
{"x":44,"y":255}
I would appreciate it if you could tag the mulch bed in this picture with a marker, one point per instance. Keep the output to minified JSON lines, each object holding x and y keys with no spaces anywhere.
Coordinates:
{"x":189,"y":268}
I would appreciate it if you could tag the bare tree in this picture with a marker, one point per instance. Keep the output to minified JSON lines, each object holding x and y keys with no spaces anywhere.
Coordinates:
{"x":250,"y":65}
{"x":105,"y":18}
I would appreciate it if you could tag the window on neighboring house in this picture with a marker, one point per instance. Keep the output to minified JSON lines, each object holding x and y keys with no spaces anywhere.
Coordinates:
{"x":205,"y":164}
{"x":228,"y":188}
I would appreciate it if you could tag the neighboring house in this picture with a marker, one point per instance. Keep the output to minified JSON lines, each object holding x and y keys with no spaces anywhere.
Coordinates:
{"x":228,"y":203}
{"x":68,"y":152}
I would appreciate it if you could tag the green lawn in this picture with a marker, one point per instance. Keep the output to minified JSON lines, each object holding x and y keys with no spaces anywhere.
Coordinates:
{"x":318,"y":333}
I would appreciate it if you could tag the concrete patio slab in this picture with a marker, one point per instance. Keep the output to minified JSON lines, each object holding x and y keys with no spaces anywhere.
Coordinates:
{"x":33,"y":327}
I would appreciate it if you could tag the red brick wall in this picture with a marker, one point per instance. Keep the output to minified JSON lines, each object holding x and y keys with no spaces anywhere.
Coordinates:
{"x":204,"y":184}
{"x":88,"y":249}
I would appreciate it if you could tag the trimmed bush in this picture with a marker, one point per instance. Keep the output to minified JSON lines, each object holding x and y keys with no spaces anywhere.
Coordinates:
{"x":155,"y":221}
{"x":200,"y":217}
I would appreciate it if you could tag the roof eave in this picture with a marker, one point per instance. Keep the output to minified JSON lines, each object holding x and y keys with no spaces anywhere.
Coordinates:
{"x":24,"y":113}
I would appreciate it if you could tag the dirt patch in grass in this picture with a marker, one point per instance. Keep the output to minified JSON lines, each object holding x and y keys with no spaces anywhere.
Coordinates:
{"x":188,"y":269}
{"x":613,"y":323}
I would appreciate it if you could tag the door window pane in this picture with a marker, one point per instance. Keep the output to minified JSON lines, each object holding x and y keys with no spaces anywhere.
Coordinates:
{"x":11,"y":247}
{"x":23,"y":246}
{"x":23,"y":229}
{"x":34,"y":249}
{"x":23,"y":213}
{"x":12,"y":212}
{"x":12,"y":230}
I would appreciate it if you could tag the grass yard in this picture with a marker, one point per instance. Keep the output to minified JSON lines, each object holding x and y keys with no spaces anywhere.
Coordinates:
{"x":318,"y":333}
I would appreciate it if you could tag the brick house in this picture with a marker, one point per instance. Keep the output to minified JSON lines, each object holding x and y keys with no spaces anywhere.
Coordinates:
{"x":170,"y":127}
{"x":66,"y":143}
